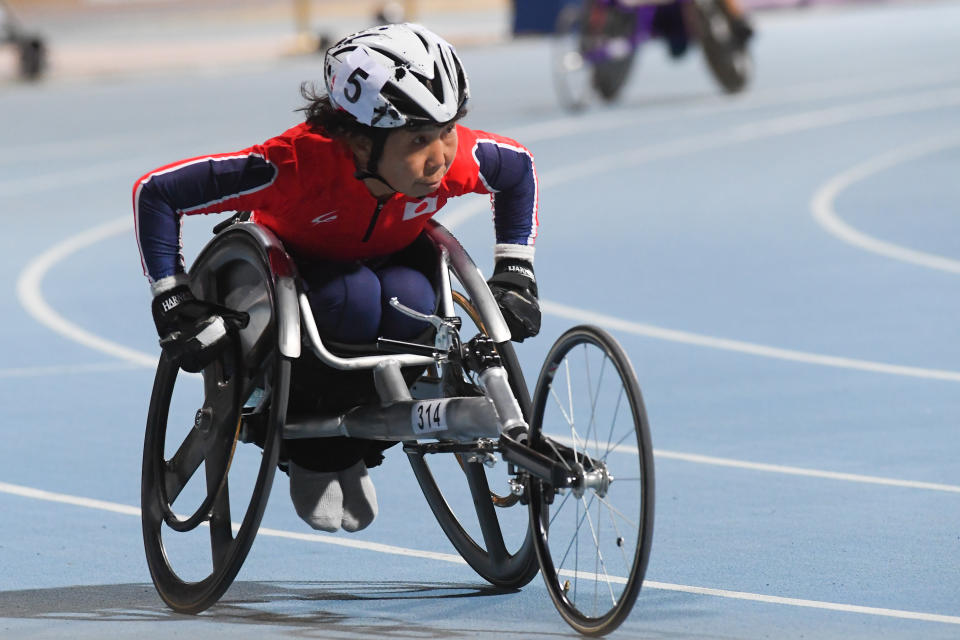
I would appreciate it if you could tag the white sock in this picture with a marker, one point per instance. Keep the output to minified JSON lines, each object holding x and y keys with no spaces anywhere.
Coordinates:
{"x":359,"y":497}
{"x":317,"y":497}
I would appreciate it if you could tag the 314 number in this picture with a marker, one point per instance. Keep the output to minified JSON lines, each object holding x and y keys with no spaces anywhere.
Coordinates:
{"x":428,"y":416}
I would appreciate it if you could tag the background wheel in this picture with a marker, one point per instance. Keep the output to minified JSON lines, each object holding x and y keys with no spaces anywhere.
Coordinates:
{"x":593,"y":541}
{"x":572,"y":71}
{"x":33,"y":57}
{"x":611,"y":72}
{"x":591,"y":51}
{"x":729,"y":59}
{"x":194,"y":549}
{"x":473,"y":504}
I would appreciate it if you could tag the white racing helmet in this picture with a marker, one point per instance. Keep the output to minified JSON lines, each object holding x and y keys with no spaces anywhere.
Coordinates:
{"x":396,"y":75}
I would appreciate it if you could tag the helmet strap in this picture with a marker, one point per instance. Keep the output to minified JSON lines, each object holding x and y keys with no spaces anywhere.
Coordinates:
{"x":378,"y":141}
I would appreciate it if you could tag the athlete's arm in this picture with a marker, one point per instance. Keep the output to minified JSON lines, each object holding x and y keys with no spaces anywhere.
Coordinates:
{"x":506,"y":170}
{"x":208,"y":184}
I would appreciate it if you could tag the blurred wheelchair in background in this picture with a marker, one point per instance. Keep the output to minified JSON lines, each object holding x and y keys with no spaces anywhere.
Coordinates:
{"x":595,"y":43}
{"x":572,"y":497}
{"x":31,"y":48}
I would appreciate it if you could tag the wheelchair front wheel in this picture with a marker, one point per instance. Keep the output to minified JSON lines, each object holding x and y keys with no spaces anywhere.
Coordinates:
{"x":592,"y":539}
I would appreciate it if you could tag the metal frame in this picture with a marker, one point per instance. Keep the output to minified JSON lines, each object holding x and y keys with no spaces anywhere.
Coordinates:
{"x":467,"y":418}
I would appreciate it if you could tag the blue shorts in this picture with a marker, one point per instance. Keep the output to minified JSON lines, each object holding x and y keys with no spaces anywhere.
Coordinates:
{"x":350,"y":300}
{"x":350,"y":305}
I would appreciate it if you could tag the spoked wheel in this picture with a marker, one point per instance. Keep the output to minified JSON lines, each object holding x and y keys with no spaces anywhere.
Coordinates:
{"x":198,"y":473}
{"x":33,"y":57}
{"x":473,"y":505}
{"x":593,"y":539}
{"x":572,"y":72}
{"x":727,"y":56}
{"x":592,"y":51}
{"x":611,"y":71}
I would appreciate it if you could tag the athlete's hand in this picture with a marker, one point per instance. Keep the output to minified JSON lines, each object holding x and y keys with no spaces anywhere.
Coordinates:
{"x":515,"y":289}
{"x":193,"y":331}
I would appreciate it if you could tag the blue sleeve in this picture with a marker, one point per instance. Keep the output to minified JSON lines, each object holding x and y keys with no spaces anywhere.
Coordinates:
{"x":507,"y":170}
{"x":207,"y":184}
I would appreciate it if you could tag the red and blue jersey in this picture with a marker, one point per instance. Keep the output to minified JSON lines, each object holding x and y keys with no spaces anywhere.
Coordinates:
{"x":301,"y":185}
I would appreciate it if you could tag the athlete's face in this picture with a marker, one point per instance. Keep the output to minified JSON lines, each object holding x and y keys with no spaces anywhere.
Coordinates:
{"x":414,"y":160}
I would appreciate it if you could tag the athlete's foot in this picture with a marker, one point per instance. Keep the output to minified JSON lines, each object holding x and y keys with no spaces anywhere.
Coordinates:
{"x":359,"y":498}
{"x":317,"y":497}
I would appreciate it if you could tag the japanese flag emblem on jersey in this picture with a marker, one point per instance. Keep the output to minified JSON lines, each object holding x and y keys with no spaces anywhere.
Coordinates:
{"x":419,"y":208}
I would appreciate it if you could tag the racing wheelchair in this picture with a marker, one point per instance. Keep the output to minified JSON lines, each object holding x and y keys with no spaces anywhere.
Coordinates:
{"x":574,"y":496}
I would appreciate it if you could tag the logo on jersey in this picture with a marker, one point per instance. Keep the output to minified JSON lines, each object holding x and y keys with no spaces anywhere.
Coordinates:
{"x":422,"y":207}
{"x":329,"y":216}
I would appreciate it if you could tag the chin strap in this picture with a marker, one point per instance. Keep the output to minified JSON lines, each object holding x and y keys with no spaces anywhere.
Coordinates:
{"x":379,"y":140}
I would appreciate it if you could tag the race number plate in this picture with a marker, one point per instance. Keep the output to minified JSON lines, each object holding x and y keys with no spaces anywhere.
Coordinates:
{"x":429,"y":416}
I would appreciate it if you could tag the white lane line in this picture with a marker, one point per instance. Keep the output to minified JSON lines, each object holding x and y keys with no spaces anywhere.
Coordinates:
{"x":822,"y":204}
{"x":61,"y":369}
{"x":31,"y":297}
{"x":599,"y":448}
{"x":800,"y":471}
{"x":362,"y":544}
{"x":558,"y":127}
{"x":782,"y":125}
{"x":30,"y":294}
{"x":63,"y":498}
{"x":778,"y":126}
{"x":123,"y":509}
{"x":84,"y":174}
{"x":561,"y":126}
{"x":718,"y":104}
{"x":811,"y":604}
{"x":111,"y":144}
{"x":684,"y":337}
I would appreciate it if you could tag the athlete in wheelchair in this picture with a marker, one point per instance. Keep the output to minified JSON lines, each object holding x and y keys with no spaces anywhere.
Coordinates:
{"x":340,"y":254}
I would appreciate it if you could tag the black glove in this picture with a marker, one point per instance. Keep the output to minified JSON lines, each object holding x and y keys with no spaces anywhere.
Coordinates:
{"x":514,"y":287}
{"x":193,"y":331}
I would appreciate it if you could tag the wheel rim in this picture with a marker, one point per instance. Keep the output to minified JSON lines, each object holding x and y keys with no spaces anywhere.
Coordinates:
{"x":571,"y":70}
{"x":594,"y":540}
{"x":196,"y":421}
{"x":729,"y":60}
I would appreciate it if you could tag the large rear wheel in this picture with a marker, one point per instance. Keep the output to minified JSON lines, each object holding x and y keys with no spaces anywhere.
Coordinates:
{"x":198,"y":472}
{"x":473,"y":504}
{"x":592,"y":50}
{"x":727,"y":55}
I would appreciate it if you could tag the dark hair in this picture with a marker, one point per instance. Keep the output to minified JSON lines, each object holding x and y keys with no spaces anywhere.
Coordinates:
{"x":333,"y":122}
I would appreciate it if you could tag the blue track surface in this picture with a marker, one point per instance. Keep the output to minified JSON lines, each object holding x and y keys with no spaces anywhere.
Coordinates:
{"x":781,"y":267}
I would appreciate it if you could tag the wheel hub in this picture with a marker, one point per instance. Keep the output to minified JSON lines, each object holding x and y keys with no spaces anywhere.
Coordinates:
{"x":598,"y":480}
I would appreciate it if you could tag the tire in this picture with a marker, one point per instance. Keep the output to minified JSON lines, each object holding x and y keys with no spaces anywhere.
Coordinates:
{"x":487,"y":527}
{"x":610,"y":74}
{"x":598,"y":414}
{"x":591,"y":51}
{"x":196,"y":420}
{"x":572,"y":73}
{"x":33,"y":58}
{"x":729,"y":60}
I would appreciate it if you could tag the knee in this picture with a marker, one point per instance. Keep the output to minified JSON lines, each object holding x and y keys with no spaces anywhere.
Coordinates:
{"x":411,"y":288}
{"x":346,"y":303}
